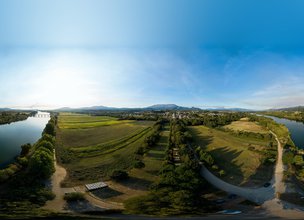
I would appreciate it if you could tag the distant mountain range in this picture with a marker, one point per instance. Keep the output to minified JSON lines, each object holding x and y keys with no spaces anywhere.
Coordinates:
{"x":296,"y":108}
{"x":4,"y":109}
{"x":230,"y":109}
{"x":161,"y":107}
{"x":157,"y":107}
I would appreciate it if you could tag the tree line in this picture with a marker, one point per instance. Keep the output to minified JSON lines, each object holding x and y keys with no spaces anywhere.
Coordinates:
{"x":9,"y":117}
{"x":25,"y":178}
{"x":214,"y":120}
{"x":178,"y":191}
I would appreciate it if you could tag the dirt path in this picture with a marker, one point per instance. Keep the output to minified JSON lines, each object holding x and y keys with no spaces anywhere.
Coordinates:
{"x":279,"y":184}
{"x":277,"y":207}
{"x":58,"y":203}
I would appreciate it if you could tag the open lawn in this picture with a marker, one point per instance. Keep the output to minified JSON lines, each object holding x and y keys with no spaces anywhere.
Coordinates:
{"x":91,"y":153}
{"x":235,"y":155}
{"x":245,"y":125}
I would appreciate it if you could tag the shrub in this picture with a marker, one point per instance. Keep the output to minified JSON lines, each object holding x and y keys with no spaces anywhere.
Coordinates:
{"x":298,"y":160}
{"x":215,"y":167}
{"x":119,"y":175}
{"x":222,"y":173}
{"x":41,"y":164}
{"x":139,"y":164}
{"x":47,"y":145}
{"x":23,"y":161}
{"x":140,"y":151}
{"x":25,"y":149}
{"x":4,"y":175}
{"x":50,"y":129}
{"x":74,"y":196}
{"x":49,"y":138}
{"x":288,"y":158}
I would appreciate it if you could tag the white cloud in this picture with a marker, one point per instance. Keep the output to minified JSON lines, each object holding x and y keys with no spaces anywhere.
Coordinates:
{"x":286,"y":92}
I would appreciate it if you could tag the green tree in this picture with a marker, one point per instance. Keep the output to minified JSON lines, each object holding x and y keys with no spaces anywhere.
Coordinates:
{"x":183,"y":201}
{"x":298,"y":160}
{"x":49,"y":129}
{"x":119,"y":175}
{"x":46,"y":144}
{"x":139,"y":164}
{"x":288,"y":158}
{"x":49,"y":138}
{"x":41,"y":164}
{"x":25,"y":149}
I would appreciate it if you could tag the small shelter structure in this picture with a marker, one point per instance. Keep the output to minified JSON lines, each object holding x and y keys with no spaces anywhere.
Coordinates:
{"x":93,"y":186}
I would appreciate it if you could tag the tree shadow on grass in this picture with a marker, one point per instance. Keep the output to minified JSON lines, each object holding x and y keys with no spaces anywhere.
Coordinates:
{"x":263,"y":174}
{"x":82,"y":206}
{"x":201,"y":140}
{"x":106,"y":193}
{"x":224,"y":158}
{"x":136,"y":183}
{"x":155,"y":155}
{"x":153,"y":172}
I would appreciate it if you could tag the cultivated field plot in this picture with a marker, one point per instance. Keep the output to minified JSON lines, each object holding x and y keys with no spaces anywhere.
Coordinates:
{"x":139,"y":179}
{"x":233,"y":154}
{"x":77,"y":121}
{"x":91,"y":153}
{"x":245,"y":125}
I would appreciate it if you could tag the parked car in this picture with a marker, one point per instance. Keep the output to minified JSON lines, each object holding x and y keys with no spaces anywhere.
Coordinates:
{"x":220,"y":201}
{"x":232,"y":196}
{"x":230,"y":212}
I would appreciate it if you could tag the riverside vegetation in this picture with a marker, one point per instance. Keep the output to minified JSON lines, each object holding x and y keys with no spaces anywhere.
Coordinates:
{"x":23,"y":189}
{"x":8,"y":117}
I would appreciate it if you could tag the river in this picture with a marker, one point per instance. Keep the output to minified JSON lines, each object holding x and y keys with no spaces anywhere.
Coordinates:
{"x":13,"y":135}
{"x":295,"y":128}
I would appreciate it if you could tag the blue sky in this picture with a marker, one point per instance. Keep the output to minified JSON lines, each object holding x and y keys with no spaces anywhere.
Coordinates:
{"x":206,"y":53}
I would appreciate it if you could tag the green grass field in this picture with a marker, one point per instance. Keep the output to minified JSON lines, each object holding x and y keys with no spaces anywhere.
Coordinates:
{"x":92,"y":153}
{"x":232,"y":154}
{"x":245,"y":125}
{"x":80,"y":121}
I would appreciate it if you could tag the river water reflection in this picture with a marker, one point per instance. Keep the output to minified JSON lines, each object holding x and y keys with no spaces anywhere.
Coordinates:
{"x":13,"y":135}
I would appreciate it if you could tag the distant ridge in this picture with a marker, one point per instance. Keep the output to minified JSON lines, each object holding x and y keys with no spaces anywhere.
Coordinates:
{"x":157,"y":107}
{"x":296,"y":108}
{"x":229,"y":109}
{"x":160,"y":107}
{"x":5,"y":109}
